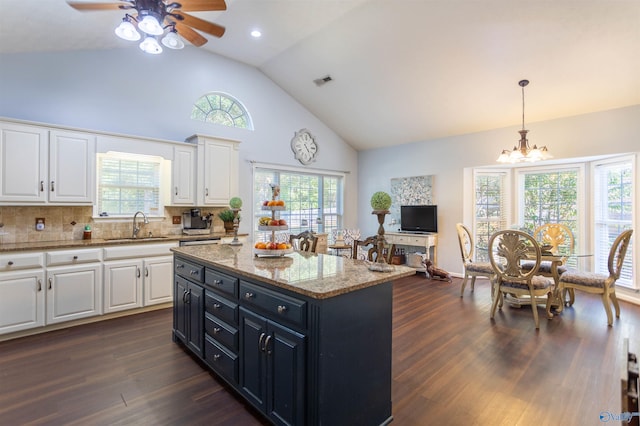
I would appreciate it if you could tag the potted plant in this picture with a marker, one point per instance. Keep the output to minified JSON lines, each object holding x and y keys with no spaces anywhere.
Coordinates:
{"x":227,"y":217}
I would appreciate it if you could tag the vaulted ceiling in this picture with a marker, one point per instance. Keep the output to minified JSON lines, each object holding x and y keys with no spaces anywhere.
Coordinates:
{"x":402,"y":70}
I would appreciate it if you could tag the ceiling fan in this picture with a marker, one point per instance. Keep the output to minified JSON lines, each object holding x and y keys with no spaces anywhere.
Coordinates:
{"x":153,"y":17}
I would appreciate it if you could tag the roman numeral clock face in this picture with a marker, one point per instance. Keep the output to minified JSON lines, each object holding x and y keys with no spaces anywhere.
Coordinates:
{"x":304,"y":147}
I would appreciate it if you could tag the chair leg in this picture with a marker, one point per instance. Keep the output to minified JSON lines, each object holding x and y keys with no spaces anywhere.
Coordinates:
{"x":464,"y":283}
{"x":548,"y":306}
{"x":497,"y":298}
{"x":473,"y":283}
{"x":607,"y":308}
{"x":614,"y":298}
{"x":534,"y":308}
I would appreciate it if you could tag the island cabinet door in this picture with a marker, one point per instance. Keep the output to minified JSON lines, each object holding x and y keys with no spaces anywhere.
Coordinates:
{"x":272,"y":373}
{"x":188,"y":320}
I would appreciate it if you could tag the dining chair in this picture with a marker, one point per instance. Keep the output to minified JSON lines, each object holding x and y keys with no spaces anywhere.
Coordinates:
{"x":597,"y":283}
{"x":304,"y":241}
{"x":367,"y":249}
{"x":507,"y":248}
{"x":561,"y":241}
{"x":471,"y":269}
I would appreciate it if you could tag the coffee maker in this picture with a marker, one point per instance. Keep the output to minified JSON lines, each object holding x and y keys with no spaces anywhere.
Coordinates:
{"x":193,"y":220}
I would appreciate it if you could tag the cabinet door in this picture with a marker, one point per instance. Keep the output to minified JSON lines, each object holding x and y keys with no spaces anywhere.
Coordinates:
{"x":195,"y":300}
{"x":21,"y":300}
{"x":71,"y":167}
{"x":286,"y":375}
{"x":180,"y":308}
{"x":158,"y":284}
{"x":184,"y":177}
{"x":122,"y":285}
{"x":73,"y":292}
{"x":23,"y":163}
{"x":220,"y":172}
{"x":253,"y":375}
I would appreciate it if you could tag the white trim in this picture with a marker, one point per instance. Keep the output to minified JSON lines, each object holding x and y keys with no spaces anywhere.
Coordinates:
{"x":307,"y":170}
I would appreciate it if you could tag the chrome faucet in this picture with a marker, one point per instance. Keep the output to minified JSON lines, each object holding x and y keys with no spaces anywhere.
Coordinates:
{"x":136,"y":229}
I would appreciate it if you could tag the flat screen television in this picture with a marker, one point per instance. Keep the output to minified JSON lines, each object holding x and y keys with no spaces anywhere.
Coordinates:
{"x":422,"y":218}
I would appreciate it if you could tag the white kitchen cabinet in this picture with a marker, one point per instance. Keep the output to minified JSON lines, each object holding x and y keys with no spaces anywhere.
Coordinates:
{"x":132,"y":281}
{"x":73,"y":292}
{"x":22,"y":299}
{"x":217,"y":171}
{"x":183,"y":191}
{"x":41,"y":165}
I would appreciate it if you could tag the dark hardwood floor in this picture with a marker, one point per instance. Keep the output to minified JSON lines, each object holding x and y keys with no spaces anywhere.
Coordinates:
{"x":452,"y":365}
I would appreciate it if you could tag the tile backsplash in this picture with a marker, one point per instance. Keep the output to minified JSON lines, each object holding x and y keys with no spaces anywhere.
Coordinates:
{"x":18,"y":223}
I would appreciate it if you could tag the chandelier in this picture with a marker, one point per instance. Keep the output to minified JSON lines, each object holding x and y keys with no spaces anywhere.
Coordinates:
{"x":522,"y":152}
{"x":149,"y":22}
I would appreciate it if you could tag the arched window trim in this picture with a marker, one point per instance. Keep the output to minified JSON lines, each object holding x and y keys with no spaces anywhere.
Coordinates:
{"x":215,"y":102}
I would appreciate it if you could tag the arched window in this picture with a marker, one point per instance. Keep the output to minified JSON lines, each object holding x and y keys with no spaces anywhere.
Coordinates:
{"x":220,"y":108}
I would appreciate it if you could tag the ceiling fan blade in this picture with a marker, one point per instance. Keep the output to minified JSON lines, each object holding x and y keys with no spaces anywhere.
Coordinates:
{"x":83,"y":6}
{"x":200,"y":24}
{"x":188,"y":33}
{"x":201,"y":5}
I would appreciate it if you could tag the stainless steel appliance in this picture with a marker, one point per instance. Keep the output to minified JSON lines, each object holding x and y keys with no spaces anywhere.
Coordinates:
{"x":193,"y":220}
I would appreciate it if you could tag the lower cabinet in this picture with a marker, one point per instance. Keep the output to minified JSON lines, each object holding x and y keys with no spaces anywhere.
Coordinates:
{"x":73,"y":292}
{"x":272,"y":368}
{"x":188,"y":314}
{"x":22,"y":300}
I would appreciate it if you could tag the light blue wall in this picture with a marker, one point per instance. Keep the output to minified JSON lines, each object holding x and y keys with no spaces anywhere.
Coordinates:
{"x":608,"y":132}
{"x":126,"y":91}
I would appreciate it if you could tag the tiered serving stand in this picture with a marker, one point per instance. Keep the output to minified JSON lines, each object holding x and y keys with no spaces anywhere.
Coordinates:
{"x":273,"y":229}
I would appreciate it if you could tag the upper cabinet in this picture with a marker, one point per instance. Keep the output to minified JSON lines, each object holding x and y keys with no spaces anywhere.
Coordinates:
{"x":217,"y":171}
{"x":184,"y":175}
{"x":40,"y":165}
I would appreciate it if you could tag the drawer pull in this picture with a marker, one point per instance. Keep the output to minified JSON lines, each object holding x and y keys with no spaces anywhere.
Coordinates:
{"x":260,"y":347}
{"x":216,"y":357}
{"x":41,"y":186}
{"x":217,"y":306}
{"x":10,"y":262}
{"x":248,"y":295}
{"x":266,"y":344}
{"x":39,"y":285}
{"x":75,"y":257}
{"x":216,"y":330}
{"x":50,"y":283}
{"x":217,"y":282}
{"x":53,"y":186}
{"x":180,"y":266}
{"x":194,"y":272}
{"x":282,"y":309}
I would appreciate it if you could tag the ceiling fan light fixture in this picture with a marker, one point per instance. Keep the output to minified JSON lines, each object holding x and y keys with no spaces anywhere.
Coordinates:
{"x":127,"y":31}
{"x":151,"y":45}
{"x":150,"y":25}
{"x":172,"y":40}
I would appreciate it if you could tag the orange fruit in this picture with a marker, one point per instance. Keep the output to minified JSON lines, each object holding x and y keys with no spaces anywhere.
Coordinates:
{"x":282,"y":246}
{"x":261,"y":245}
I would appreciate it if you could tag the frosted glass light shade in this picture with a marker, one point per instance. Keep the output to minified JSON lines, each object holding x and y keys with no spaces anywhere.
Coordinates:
{"x":151,"y":45}
{"x":127,"y":31}
{"x":172,"y":40}
{"x":150,"y":25}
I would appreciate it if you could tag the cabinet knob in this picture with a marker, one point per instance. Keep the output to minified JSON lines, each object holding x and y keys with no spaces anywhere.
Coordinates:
{"x":282,"y":309}
{"x":217,"y":306}
{"x":10,"y":262}
{"x":248,"y":295}
{"x":216,"y":357}
{"x":216,"y":330}
{"x":194,"y":272}
{"x":75,"y":257}
{"x":176,"y":190}
{"x":217,"y":282}
{"x":180,"y":266}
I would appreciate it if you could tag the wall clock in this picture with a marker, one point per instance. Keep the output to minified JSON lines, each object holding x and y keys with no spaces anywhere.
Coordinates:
{"x":304,"y":147}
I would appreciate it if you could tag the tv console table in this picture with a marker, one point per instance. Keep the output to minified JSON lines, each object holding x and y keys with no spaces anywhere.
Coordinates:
{"x":427,"y":241}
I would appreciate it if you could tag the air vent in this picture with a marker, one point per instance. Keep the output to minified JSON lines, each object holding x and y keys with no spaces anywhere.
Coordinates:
{"x":323,"y":80}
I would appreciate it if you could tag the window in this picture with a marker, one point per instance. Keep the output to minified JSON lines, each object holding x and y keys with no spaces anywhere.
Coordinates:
{"x":312,"y":201}
{"x":128,"y":183}
{"x":613,"y":213}
{"x":223,"y":109}
{"x":490,"y":212}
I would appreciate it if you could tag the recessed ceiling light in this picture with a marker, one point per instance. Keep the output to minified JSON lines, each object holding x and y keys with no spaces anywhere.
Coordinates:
{"x":256,"y":34}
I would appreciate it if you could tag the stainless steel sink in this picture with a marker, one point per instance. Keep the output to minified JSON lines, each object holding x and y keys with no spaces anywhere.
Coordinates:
{"x":135,"y":239}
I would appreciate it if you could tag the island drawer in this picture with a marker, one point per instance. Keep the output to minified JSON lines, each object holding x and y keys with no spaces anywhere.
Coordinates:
{"x":221,"y":360}
{"x":278,"y":305}
{"x":189,"y":270}
{"x":221,"y":282}
{"x":221,"y":332}
{"x":220,"y":307}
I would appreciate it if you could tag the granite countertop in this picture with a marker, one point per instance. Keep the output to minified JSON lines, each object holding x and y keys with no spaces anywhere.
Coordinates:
{"x":98,"y":242}
{"x":319,"y":276}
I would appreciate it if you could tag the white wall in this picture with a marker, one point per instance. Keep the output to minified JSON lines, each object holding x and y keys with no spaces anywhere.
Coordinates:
{"x":608,"y":132}
{"x":126,"y":91}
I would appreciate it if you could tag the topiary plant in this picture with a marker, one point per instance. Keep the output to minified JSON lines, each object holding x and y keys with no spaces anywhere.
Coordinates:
{"x":380,"y":201}
{"x":235,"y":203}
{"x":226,"y":215}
